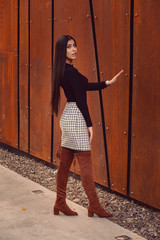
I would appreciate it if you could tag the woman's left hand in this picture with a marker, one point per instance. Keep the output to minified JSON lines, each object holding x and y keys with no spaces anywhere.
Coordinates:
{"x":114,"y":79}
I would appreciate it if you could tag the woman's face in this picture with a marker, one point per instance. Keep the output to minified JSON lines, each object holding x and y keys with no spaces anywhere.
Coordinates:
{"x":71,"y":52}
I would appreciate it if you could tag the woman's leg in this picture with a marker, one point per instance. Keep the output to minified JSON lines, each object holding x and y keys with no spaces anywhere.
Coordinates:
{"x":85,"y":163}
{"x":66,"y":158}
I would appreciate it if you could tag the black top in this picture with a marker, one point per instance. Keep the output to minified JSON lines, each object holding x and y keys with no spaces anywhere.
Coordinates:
{"x":75,"y":86}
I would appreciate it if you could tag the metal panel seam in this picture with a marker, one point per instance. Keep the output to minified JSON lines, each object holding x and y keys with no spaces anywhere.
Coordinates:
{"x":18,"y":36}
{"x":130,"y":94}
{"x":52,"y":44}
{"x":28,"y":76}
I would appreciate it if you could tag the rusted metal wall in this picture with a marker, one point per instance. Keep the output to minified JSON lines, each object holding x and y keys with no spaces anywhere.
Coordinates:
{"x":8,"y":70}
{"x":40,"y":78}
{"x":125,"y":116}
{"x":145,"y":152}
{"x":113,"y":45}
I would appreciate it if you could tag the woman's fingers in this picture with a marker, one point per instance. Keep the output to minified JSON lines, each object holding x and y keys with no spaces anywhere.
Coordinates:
{"x":119,"y":73}
{"x":115,"y":78}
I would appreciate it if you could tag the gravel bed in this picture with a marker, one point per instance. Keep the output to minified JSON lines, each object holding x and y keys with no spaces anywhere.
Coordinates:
{"x":129,"y":214}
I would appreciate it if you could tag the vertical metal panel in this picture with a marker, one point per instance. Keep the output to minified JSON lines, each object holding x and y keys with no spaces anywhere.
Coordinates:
{"x":112,"y":24}
{"x":73,"y":17}
{"x":8,"y":72}
{"x":40,"y":78}
{"x":23,"y":74}
{"x":145,"y":164}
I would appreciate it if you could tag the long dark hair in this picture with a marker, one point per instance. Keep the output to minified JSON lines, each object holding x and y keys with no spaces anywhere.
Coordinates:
{"x":58,"y":71}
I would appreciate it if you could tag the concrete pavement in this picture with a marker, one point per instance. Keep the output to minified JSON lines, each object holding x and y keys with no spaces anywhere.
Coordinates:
{"x":26,"y":213}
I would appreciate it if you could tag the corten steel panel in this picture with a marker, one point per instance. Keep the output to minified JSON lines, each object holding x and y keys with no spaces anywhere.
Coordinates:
{"x":40,"y":78}
{"x":23,"y":74}
{"x":73,"y":17}
{"x":8,"y":25}
{"x":8,"y":72}
{"x":145,"y":164}
{"x":112,"y":25}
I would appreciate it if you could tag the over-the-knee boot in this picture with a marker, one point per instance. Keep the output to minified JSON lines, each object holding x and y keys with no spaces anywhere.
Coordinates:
{"x":85,"y":163}
{"x":66,"y":158}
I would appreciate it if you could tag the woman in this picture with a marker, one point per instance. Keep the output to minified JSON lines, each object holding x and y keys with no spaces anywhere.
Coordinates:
{"x":76,"y":125}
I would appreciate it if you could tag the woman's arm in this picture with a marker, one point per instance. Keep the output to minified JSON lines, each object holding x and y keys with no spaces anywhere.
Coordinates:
{"x":96,"y":86}
{"x":104,"y":84}
{"x":114,"y":79}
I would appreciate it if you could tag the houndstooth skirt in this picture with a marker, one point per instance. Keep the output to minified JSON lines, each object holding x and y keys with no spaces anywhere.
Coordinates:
{"x":74,"y":129}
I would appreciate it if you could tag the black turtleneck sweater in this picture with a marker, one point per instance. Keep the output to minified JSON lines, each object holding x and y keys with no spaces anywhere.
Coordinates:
{"x":75,"y":86}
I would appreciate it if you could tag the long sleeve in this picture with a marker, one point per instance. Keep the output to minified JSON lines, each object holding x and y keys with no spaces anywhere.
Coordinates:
{"x":78,"y":87}
{"x":96,"y":86}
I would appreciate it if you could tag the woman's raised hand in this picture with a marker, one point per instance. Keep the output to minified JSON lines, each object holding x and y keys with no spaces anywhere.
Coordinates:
{"x":114,"y":79}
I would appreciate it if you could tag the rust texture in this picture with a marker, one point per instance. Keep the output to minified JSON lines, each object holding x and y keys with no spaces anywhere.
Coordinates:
{"x":40,"y":78}
{"x":8,"y":71}
{"x":113,"y":43}
{"x":145,"y":152}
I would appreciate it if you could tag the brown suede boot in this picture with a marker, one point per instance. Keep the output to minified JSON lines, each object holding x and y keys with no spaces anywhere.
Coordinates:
{"x":66,"y":158}
{"x":85,"y":163}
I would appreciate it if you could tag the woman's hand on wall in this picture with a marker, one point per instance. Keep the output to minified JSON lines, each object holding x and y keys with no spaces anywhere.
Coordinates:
{"x":114,"y":79}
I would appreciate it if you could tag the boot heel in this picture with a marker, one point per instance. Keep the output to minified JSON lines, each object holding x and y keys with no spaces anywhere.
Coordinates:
{"x":56,"y":211}
{"x":90,"y":214}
